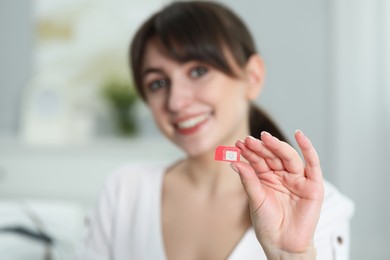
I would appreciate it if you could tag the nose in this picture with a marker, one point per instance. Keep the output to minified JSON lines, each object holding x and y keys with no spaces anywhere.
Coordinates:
{"x":179,"y":97}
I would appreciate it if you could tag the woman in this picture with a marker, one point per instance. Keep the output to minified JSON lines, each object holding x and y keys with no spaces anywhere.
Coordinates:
{"x":196,"y":67}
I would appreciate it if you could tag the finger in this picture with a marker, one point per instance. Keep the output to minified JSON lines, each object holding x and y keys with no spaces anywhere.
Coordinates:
{"x":251,"y":183}
{"x":287,"y":154}
{"x":257,"y":162}
{"x":258,"y":147}
{"x":313,"y":167}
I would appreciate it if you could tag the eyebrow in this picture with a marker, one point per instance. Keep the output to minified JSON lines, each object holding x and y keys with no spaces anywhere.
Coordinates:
{"x":151,"y":70}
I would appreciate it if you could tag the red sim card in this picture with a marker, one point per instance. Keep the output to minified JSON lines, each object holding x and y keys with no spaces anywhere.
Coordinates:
{"x":227,"y":153}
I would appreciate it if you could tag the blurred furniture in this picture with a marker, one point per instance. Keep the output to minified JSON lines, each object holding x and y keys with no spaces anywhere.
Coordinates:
{"x":46,"y":192}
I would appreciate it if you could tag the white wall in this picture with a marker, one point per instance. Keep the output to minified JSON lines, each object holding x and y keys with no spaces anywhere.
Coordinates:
{"x":15,"y":59}
{"x":360,"y":118}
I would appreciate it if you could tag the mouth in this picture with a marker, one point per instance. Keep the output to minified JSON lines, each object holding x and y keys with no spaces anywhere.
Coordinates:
{"x":192,"y":124}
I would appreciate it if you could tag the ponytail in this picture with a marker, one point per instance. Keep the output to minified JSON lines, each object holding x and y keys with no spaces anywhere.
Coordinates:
{"x":259,"y":121}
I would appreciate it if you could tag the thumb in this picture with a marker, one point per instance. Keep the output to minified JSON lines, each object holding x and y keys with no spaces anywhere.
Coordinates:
{"x":251,"y":183}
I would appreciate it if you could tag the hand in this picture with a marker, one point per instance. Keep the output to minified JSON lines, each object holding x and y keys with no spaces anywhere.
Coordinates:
{"x":285,"y":195}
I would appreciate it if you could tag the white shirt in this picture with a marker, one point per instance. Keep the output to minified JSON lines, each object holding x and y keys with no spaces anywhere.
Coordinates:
{"x":126,"y":223}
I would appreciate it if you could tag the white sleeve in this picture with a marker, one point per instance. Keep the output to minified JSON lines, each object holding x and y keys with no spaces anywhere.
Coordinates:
{"x":341,"y":242}
{"x":332,"y":238}
{"x":99,"y":225}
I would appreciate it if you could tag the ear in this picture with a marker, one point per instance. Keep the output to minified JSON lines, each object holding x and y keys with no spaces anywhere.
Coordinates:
{"x":255,"y":73}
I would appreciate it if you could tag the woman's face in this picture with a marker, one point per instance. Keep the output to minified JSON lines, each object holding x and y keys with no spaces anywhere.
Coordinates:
{"x":196,"y":106}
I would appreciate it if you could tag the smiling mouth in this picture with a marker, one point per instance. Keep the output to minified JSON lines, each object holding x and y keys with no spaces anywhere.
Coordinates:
{"x":192,"y":124}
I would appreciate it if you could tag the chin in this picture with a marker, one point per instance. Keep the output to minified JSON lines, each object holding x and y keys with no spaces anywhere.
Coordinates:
{"x":196,"y":149}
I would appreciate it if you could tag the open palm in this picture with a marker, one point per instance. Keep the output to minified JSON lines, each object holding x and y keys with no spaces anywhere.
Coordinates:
{"x":285,"y":193}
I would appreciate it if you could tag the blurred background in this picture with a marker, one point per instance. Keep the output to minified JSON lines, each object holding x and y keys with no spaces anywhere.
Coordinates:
{"x":69,"y":116}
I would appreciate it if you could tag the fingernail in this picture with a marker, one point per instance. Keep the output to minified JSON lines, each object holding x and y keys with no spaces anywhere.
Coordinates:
{"x":249,"y":138}
{"x":240,"y":142}
{"x":269,"y":135}
{"x":234,"y":167}
{"x":265,"y":133}
{"x":300,"y":132}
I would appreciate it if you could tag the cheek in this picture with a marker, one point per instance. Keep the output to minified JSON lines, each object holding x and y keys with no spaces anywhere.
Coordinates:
{"x":233,"y":102}
{"x":231,"y":94}
{"x":156,"y":107}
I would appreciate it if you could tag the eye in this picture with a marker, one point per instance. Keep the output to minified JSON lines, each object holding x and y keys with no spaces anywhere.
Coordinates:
{"x":198,"y":71}
{"x":158,"y":84}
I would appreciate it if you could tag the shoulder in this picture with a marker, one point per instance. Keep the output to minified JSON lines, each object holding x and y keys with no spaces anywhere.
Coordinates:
{"x":132,"y":174}
{"x":120,"y":200}
{"x":128,"y":181}
{"x":336,"y":207}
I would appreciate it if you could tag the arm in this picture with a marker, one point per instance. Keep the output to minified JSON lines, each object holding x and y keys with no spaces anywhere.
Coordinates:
{"x":285,"y":194}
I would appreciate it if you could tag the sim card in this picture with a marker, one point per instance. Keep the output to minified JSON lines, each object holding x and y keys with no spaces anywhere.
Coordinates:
{"x":227,"y":153}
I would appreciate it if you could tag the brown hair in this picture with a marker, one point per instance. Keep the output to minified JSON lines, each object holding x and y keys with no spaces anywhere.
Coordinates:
{"x":199,"y":30}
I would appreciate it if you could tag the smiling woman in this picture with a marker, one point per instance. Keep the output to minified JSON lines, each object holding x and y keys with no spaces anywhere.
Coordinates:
{"x":185,"y":107}
{"x":200,"y":92}
{"x":217,"y":48}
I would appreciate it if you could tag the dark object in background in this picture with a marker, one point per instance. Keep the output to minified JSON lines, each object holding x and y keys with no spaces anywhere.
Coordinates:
{"x":122,"y":97}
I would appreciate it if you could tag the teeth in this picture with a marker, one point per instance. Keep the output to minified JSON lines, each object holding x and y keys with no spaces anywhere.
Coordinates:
{"x":193,"y":121}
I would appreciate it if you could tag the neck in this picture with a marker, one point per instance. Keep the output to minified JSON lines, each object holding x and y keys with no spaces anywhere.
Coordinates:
{"x":203,"y":172}
{"x":215,"y":176}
